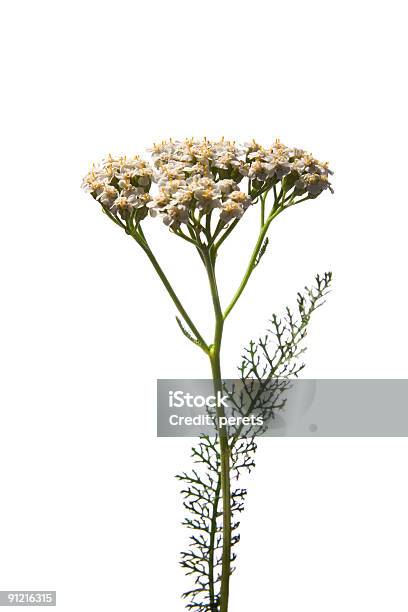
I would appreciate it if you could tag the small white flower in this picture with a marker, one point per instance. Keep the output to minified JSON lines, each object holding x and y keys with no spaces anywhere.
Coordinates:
{"x":93,"y":185}
{"x":207,"y":199}
{"x":314,"y":184}
{"x":120,"y":204}
{"x":108,"y":196}
{"x":226,"y":186}
{"x":159,"y":202}
{"x":176,"y":215}
{"x":231,"y":210}
{"x":133,"y":199}
{"x":282,"y":167}
{"x":241,"y":198}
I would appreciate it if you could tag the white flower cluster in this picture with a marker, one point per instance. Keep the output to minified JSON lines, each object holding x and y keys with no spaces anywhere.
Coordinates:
{"x":199,"y":176}
{"x":178,"y":197}
{"x":121,"y":184}
{"x":274,"y":163}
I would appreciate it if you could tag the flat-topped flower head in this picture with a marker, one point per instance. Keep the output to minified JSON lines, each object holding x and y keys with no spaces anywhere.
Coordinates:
{"x":190,"y":179}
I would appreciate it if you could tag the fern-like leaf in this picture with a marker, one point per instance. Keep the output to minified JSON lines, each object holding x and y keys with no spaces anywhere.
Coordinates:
{"x":265,"y":372}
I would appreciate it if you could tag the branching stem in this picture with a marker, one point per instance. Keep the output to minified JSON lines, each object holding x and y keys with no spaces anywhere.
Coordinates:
{"x":208,"y":254}
{"x":141,"y":240}
{"x":253,"y":259}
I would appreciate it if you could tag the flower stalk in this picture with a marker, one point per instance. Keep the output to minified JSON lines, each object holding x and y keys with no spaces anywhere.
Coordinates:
{"x":141,"y":240}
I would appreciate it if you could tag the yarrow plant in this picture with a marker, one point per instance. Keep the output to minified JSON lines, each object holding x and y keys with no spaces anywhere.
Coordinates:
{"x":201,"y":189}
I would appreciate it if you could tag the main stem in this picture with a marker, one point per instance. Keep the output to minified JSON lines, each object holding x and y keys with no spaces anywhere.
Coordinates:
{"x":225,"y":489}
{"x":214,"y":355}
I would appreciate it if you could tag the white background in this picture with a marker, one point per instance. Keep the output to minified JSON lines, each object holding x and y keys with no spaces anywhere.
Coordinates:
{"x":89,"y":506}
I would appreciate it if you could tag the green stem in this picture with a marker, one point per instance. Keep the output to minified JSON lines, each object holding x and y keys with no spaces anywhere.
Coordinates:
{"x":214,"y":355}
{"x":213,"y":534}
{"x":252,"y":260}
{"x":141,"y":240}
{"x":263,"y":199}
{"x":231,"y":227}
{"x":225,"y":488}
